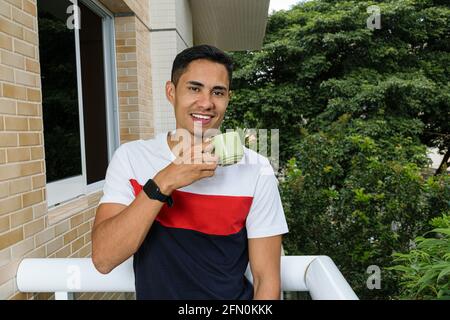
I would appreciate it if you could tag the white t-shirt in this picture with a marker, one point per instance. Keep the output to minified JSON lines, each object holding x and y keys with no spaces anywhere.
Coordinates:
{"x":251,"y":179}
{"x":198,"y":248}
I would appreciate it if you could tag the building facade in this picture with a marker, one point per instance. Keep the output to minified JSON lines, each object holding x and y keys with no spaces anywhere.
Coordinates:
{"x":72,"y":90}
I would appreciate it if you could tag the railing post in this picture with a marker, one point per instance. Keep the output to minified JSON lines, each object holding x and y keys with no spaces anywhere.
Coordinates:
{"x":60,"y":295}
{"x":326,"y":282}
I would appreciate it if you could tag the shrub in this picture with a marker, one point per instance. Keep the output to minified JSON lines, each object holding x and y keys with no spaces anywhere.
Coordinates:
{"x":425,"y":270}
{"x":357,"y":194}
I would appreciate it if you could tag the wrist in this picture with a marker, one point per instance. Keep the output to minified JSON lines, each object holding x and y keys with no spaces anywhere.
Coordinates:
{"x":164,"y":187}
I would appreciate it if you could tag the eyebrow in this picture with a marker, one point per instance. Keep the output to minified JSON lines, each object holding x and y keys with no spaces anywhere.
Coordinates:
{"x":199,"y":84}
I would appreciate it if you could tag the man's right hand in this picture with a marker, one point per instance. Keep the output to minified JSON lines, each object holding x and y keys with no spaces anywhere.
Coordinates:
{"x":187,"y":168}
{"x":119,"y":230}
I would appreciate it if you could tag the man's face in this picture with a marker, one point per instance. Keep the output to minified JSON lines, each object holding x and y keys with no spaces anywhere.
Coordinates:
{"x":201,"y":95}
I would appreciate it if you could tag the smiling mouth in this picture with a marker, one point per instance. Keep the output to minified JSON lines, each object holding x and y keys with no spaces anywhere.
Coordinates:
{"x":203,"y":118}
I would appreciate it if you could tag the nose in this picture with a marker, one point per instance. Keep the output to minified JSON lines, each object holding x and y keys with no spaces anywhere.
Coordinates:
{"x":205,"y":101}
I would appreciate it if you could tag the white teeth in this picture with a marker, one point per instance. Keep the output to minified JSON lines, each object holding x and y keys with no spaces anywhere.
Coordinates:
{"x":201,"y":116}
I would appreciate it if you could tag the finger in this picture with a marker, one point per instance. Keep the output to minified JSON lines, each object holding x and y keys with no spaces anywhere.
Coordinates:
{"x":208,"y":147}
{"x":210,"y":158}
{"x":190,"y":159}
{"x":208,"y":166}
{"x":195,"y":155}
{"x":196,"y":150}
{"x":207,"y":173}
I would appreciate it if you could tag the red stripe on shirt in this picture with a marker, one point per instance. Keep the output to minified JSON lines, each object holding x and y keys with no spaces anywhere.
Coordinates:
{"x":136,"y":187}
{"x":209,"y":214}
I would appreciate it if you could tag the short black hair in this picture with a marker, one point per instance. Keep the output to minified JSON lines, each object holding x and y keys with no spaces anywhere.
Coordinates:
{"x":207,"y":52}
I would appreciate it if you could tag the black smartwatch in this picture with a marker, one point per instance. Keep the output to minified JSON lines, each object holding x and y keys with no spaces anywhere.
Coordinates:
{"x":151,"y":189}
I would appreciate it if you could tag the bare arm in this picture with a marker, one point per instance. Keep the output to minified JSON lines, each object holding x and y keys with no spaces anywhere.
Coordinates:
{"x":119,"y":231}
{"x":265,"y":257}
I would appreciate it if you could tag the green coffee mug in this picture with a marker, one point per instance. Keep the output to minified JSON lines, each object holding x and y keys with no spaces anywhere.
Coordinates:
{"x":228,"y":147}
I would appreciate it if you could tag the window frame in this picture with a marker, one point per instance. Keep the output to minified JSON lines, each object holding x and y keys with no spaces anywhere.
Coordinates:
{"x":67,"y":189}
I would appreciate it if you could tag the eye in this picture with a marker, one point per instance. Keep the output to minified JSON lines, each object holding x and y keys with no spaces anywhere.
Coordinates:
{"x":218,"y":93}
{"x":195,"y":89}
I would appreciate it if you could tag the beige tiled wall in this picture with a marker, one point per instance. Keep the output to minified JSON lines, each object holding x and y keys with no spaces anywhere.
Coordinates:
{"x":171,"y":23}
{"x":22,"y":167}
{"x":139,"y":8}
{"x":27,"y":227}
{"x":164,"y":50}
{"x":134,"y":79}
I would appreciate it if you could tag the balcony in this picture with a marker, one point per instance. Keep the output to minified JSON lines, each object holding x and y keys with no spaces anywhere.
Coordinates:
{"x":316,"y":274}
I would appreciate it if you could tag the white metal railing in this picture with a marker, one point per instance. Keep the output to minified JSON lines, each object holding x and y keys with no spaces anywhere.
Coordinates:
{"x":316,"y":274}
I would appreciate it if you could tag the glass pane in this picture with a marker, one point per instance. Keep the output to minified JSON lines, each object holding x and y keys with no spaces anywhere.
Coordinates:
{"x":94,"y":96}
{"x":59,"y":91}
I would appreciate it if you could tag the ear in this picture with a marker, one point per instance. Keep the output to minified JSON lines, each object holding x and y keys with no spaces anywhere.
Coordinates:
{"x":170,"y":92}
{"x":230,"y":94}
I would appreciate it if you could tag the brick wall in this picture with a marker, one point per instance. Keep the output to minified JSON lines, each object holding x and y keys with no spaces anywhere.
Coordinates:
{"x":134,"y":79}
{"x":28,"y":229}
{"x":22,"y":166}
{"x":141,"y":9}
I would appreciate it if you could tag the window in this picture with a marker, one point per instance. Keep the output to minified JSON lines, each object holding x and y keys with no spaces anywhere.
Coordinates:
{"x":79,"y":96}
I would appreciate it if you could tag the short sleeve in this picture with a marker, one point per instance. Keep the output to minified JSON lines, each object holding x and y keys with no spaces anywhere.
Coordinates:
{"x":266,"y":217}
{"x":117,"y":187}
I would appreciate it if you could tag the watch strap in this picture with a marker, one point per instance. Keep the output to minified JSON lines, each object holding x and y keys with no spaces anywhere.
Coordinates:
{"x":152,"y":190}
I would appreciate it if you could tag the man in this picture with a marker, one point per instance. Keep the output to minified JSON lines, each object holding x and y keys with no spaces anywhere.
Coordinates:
{"x":192,"y":226}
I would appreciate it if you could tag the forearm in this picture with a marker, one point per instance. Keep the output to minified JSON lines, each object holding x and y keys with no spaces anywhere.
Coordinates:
{"x":117,"y":238}
{"x":266,"y":289}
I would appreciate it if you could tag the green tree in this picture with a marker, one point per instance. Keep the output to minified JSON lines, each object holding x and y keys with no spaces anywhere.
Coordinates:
{"x":319,"y":61}
{"x":356,"y":109}
{"x":356,"y":193}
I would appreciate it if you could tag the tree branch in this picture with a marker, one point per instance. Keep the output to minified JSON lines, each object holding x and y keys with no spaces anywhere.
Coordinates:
{"x":444,"y":163}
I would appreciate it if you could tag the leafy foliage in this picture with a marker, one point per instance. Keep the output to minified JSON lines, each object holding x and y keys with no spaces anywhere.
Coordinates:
{"x":320,"y":61}
{"x":356,"y":193}
{"x":425,"y":271}
{"x":60,"y":102}
{"x":356,"y":109}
